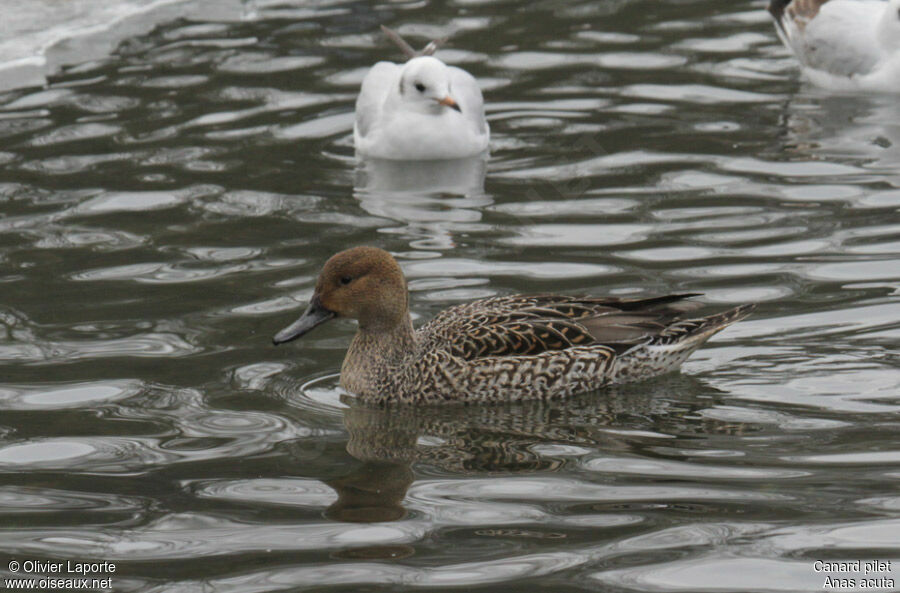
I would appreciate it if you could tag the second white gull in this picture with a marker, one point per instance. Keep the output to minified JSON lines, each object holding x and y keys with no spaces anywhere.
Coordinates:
{"x":843,"y":44}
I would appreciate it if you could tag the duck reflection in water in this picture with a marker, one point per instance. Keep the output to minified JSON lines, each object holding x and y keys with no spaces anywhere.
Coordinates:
{"x":505,"y":439}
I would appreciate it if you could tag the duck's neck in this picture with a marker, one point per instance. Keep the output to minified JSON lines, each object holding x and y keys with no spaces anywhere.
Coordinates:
{"x":372,"y":351}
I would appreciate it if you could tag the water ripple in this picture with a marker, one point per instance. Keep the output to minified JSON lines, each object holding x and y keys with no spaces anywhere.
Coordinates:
{"x":59,"y":397}
{"x":687,"y":471}
{"x":551,"y":489}
{"x":189,"y":535}
{"x":285,"y":492}
{"x":717,"y":573}
{"x":16,"y":500}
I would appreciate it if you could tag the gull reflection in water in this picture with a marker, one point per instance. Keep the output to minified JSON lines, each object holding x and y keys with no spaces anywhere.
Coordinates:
{"x":432,"y":199}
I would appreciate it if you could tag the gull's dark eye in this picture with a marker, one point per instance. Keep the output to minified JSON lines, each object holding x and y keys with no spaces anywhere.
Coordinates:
{"x":420,"y":87}
{"x":346,"y":280}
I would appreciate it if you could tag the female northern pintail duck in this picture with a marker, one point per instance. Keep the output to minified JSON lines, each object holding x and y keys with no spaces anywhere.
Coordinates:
{"x":843,"y":44}
{"x":496,"y":349}
{"x":420,"y":110}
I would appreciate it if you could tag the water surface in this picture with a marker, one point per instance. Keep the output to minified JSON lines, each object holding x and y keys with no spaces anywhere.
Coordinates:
{"x":165,"y":207}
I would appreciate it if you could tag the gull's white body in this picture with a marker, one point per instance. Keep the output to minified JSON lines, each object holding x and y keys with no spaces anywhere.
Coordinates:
{"x":396,"y":121}
{"x":844,"y":44}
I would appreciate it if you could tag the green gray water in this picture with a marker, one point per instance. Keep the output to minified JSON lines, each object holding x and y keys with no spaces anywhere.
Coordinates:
{"x":165,"y":209}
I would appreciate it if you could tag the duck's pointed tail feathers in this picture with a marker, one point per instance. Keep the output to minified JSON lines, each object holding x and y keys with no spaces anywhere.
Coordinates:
{"x":666,"y":351}
{"x":699,"y":330}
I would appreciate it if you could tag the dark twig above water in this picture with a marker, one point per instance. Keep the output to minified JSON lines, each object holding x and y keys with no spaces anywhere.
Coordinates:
{"x":407,"y":49}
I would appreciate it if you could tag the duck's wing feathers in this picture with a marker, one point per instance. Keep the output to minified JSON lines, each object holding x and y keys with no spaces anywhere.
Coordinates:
{"x":530,"y":325}
{"x":835,"y":36}
{"x":379,"y":81}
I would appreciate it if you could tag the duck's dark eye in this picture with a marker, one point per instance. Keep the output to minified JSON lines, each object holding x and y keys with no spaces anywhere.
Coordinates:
{"x":420,"y":87}
{"x":346,"y":280}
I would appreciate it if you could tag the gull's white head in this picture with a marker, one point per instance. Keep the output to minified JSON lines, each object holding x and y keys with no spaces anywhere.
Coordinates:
{"x":425,"y":85}
{"x":889,"y":27}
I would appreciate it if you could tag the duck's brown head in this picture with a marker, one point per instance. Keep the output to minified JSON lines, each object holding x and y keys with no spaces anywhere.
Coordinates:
{"x":363,"y":283}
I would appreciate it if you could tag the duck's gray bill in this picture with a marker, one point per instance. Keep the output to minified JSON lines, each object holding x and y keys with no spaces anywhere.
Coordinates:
{"x":314,"y":315}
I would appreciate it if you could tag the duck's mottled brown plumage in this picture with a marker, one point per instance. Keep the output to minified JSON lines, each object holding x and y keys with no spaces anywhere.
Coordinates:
{"x":503,"y":348}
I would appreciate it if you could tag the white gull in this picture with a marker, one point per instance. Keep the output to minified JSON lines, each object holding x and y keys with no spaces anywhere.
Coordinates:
{"x":843,"y":44}
{"x":419,"y":110}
